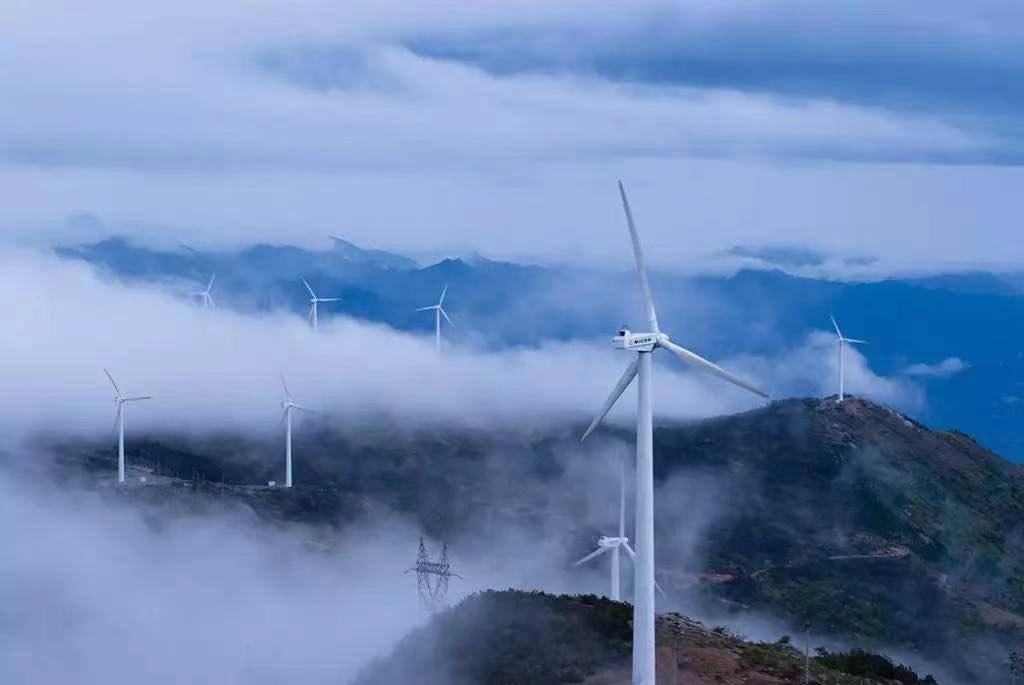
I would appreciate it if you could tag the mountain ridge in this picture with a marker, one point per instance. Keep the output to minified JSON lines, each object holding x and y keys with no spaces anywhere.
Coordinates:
{"x":853,"y":516}
{"x":531,"y":638}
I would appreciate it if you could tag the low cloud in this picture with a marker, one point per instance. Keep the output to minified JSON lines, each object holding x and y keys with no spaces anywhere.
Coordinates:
{"x":949,"y":366}
{"x":813,"y":368}
{"x":215,"y":369}
{"x":92,"y":592}
{"x":220,"y":370}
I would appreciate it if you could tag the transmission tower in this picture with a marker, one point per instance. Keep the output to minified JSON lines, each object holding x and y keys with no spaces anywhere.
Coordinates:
{"x":432,"y":577}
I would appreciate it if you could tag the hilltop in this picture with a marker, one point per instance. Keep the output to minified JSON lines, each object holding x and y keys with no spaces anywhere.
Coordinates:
{"x":521,"y":638}
{"x":861,"y":519}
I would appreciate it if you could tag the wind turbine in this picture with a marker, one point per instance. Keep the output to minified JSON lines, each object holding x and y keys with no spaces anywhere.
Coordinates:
{"x":842,"y":342}
{"x":313,"y":316}
{"x":286,"y":418}
{"x":438,"y":313}
{"x":120,"y":399}
{"x":644,"y":345}
{"x":205,"y":295}
{"x":613,"y":545}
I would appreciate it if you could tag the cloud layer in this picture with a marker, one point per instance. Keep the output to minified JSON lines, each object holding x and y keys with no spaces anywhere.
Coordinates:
{"x":395,"y":127}
{"x":214,"y":369}
{"x":210,"y":369}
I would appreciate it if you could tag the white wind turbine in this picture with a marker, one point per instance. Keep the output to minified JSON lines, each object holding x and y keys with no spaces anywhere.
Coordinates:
{"x":314,"y":313}
{"x":614,"y":545}
{"x":644,"y":345}
{"x":120,"y":399}
{"x":205,"y":295}
{"x":842,"y":343}
{"x":438,"y":313}
{"x":286,"y":418}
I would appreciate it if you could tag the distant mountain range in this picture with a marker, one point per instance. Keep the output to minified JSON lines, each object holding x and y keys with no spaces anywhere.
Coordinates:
{"x":912,"y":323}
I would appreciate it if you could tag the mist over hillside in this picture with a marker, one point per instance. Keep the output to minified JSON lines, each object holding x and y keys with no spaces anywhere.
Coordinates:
{"x":878,"y":531}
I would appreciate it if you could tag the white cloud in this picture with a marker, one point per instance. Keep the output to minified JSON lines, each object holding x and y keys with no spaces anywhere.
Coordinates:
{"x":94,"y":593}
{"x":167,"y":124}
{"x":813,"y":368}
{"x":217,"y":369}
{"x":949,"y":366}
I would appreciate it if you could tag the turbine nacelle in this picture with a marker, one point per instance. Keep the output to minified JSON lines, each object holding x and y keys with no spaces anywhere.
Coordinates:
{"x":439,"y":312}
{"x":625,"y":339}
{"x":204,"y":295}
{"x":314,"y":301}
{"x":612,"y":543}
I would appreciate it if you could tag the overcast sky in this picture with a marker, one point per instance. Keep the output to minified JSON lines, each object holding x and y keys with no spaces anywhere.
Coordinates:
{"x":863,"y":127}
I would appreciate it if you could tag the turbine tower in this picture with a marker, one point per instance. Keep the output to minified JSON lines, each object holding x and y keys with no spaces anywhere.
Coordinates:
{"x":313,"y":316}
{"x":120,"y":399}
{"x":205,"y":295}
{"x":842,"y":343}
{"x":438,"y":313}
{"x":286,"y":418}
{"x":614,"y":545}
{"x":644,"y":345}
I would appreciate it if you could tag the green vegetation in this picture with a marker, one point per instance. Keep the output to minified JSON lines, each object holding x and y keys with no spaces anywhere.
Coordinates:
{"x":531,"y":638}
{"x":858,"y":662}
{"x":512,"y":638}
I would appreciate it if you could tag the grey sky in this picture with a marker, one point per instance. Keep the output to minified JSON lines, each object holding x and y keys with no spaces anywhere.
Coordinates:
{"x":389,"y":124}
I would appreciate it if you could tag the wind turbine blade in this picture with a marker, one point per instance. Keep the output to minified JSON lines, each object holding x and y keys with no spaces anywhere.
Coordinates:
{"x":617,"y":391}
{"x":652,"y":318}
{"x":209,"y":286}
{"x":136,"y":399}
{"x":283,"y":417}
{"x":112,"y":382}
{"x":445,"y":315}
{"x":444,"y":290}
{"x":308,"y":411}
{"x":423,"y":309}
{"x":854,"y":340}
{"x":701,"y":363}
{"x":632,"y":555}
{"x":311,"y":293}
{"x":593,"y":555}
{"x":287,"y":392}
{"x":834,"y":324}
{"x":309,"y":317}
{"x":209,"y":298}
{"x":330,"y":299}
